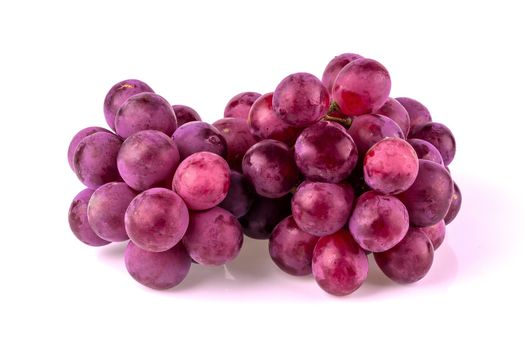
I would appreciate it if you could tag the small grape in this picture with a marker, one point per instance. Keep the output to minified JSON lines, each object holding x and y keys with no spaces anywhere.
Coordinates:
{"x":368,"y":129}
{"x":455,"y":205}
{"x":79,"y":136}
{"x":394,"y":110}
{"x":185,"y":114}
{"x":238,"y":138}
{"x":417,"y":113}
{"x":240,"y":196}
{"x":334,"y":67}
{"x":264,"y":215}
{"x":78,"y":220}
{"x":239,"y":105}
{"x":441,"y":137}
{"x":199,"y":136}
{"x":436,"y":233}
{"x":426,"y":150}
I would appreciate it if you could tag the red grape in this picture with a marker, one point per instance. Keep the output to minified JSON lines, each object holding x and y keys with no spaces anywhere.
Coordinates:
{"x":199,"y":136}
{"x":238,"y":138}
{"x":79,"y":136}
{"x":394,"y":110}
{"x":185,"y":114}
{"x":78,"y":220}
{"x":436,"y":233}
{"x":441,"y":137}
{"x":368,"y":129}
{"x":240,"y":196}
{"x":239,"y":105}
{"x":417,"y":113}
{"x":264,"y":214}
{"x":426,"y":150}
{"x":455,"y":205}
{"x":334,"y":67}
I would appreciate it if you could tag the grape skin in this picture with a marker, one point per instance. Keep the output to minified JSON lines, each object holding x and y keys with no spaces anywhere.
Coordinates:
{"x":441,"y":137}
{"x":78,"y":220}
{"x":368,"y":129}
{"x":199,"y":136}
{"x":426,"y":150}
{"x":238,"y":138}
{"x":394,"y":110}
{"x":239,"y":105}
{"x":264,"y":214}
{"x":417,"y":113}
{"x":185,"y":114}
{"x":436,"y":233}
{"x":334,"y":67}
{"x":455,"y":205}
{"x":79,"y":136}
{"x":240,"y":196}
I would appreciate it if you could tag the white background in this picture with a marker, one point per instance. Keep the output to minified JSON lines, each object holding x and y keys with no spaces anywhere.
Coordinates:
{"x":464,"y":60}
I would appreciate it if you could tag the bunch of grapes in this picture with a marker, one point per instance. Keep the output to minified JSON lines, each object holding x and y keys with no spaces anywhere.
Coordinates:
{"x":328,"y":171}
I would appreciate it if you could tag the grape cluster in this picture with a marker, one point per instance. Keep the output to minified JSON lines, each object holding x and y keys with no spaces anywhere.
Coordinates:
{"x":328,"y":171}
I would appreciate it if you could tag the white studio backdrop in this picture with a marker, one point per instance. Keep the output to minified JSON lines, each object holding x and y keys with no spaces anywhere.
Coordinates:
{"x":464,"y":60}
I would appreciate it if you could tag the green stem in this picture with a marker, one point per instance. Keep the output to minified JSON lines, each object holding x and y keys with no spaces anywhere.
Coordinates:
{"x":346,"y":121}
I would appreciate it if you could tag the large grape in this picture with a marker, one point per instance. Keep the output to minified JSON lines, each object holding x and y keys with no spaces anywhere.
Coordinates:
{"x":79,"y":136}
{"x":334,"y":67}
{"x":325,"y":152}
{"x":394,"y":110}
{"x":270,"y":167}
{"x":378,"y":222}
{"x":240,"y":196}
{"x":426,"y":150}
{"x":455,"y":205}
{"x":118,"y":94}
{"x":147,"y":158}
{"x":238,"y":138}
{"x":390,"y":166}
{"x":300,"y":99}
{"x":239,"y":105}
{"x":202,"y":180}
{"x":265,"y":124}
{"x":417,"y":113}
{"x":107,"y":208}
{"x":410,"y":260}
{"x":264,"y":214}
{"x":321,"y":208}
{"x":429,"y":197}
{"x":157,"y":270}
{"x":361,"y":87}
{"x":185,"y":114}
{"x":441,"y":137}
{"x":339,"y":265}
{"x":199,"y":136}
{"x":436,"y":233}
{"x":78,"y":220}
{"x":156,"y":219}
{"x":291,"y":248}
{"x":214,"y":237}
{"x":95,"y":159}
{"x":368,"y":129}
{"x":145,"y":111}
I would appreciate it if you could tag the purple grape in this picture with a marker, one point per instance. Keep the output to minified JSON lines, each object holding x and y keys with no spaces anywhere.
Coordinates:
{"x":79,"y":136}
{"x":270,"y":167}
{"x":391,"y":166}
{"x":185,"y":114}
{"x":361,"y":87}
{"x":238,"y":138}
{"x":410,"y":260}
{"x":428,"y":199}
{"x":118,"y":94}
{"x":426,"y":150}
{"x":265,"y":124}
{"x":106,"y":210}
{"x":145,"y":111}
{"x":455,"y":205}
{"x":264,"y":215}
{"x":339,"y":265}
{"x":291,"y":249}
{"x":240,"y":196}
{"x":202,"y":180}
{"x":334,"y":67}
{"x":378,"y":222}
{"x":157,"y":270}
{"x":325,"y":152}
{"x":214,"y":237}
{"x":199,"y":136}
{"x":368,"y":129}
{"x":95,"y":159}
{"x":436,"y":233}
{"x":78,"y":220}
{"x":300,"y":100}
{"x":239,"y":105}
{"x":147,"y":158}
{"x":156,"y":219}
{"x":417,"y":113}
{"x":321,"y":208}
{"x":394,"y":110}
{"x":441,"y":137}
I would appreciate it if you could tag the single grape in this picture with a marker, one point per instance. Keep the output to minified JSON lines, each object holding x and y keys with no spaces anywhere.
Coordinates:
{"x":417,"y":113}
{"x":239,"y":105}
{"x":391,"y":166}
{"x":240,"y":196}
{"x":291,"y":249}
{"x":426,"y":150}
{"x":441,"y":137}
{"x":361,"y":87}
{"x":455,"y":205}
{"x":264,"y":214}
{"x":394,"y":110}
{"x":118,"y":94}
{"x":436,"y":233}
{"x":300,"y":99}
{"x":334,"y":67}
{"x":269,"y":165}
{"x":199,"y":136}
{"x":325,"y":152}
{"x":202,"y":180}
{"x":95,"y":159}
{"x":156,"y":219}
{"x":78,"y":220}
{"x":321,"y":208}
{"x":145,"y":111}
{"x":410,"y":260}
{"x":368,"y":129}
{"x":238,"y":138}
{"x":157,"y":270}
{"x":339,"y":265}
{"x":106,"y":210}
{"x":147,"y":158}
{"x":378,"y":222}
{"x":185,"y":114}
{"x":79,"y":136}
{"x":214,"y":236}
{"x":429,"y":197}
{"x":264,"y":123}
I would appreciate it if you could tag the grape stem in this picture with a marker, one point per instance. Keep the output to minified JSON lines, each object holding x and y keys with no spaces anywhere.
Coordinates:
{"x":346,"y":121}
